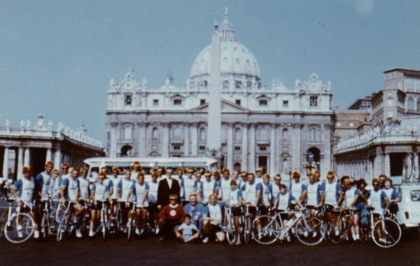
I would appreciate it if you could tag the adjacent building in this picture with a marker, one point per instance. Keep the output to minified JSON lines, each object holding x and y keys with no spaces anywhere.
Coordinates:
{"x":32,"y":144}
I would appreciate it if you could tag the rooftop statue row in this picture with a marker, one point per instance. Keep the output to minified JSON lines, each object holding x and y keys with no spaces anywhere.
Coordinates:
{"x":313,"y":84}
{"x":40,"y":128}
{"x":390,"y":131}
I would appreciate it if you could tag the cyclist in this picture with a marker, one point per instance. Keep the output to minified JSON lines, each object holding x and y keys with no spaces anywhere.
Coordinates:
{"x":235,"y":202}
{"x":285,"y":201}
{"x":24,"y":194}
{"x":392,"y":195}
{"x":113,"y":188}
{"x":64,"y":171}
{"x":213,"y":220}
{"x":259,"y":175}
{"x":188,"y":184}
{"x":296,"y":186}
{"x":379,"y":201}
{"x":251,"y":192}
{"x":100,"y":191}
{"x":152,"y":199}
{"x":313,"y":194}
{"x":55,"y":185}
{"x":224,"y":186}
{"x":210,"y":186}
{"x":198,"y":186}
{"x":350,"y":196}
{"x":124,"y":198}
{"x":196,"y":211}
{"x":332,"y":191}
{"x":243,"y":179}
{"x":266,"y":195}
{"x":70,"y":192}
{"x":42,"y":185}
{"x":140,"y":189}
{"x":276,"y":187}
{"x":190,"y":233}
{"x":135,"y":169}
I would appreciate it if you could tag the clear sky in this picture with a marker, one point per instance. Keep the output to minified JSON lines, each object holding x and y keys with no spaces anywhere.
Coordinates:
{"x":57,"y":57}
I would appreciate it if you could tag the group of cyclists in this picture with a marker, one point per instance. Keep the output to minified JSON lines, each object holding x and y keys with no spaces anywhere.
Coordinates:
{"x":180,"y":203}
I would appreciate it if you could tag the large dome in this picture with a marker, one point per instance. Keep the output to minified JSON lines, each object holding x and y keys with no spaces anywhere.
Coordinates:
{"x":236,"y":61}
{"x":235,"y":58}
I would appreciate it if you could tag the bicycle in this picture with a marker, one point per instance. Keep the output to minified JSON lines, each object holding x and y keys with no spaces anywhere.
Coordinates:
{"x":48,"y":222}
{"x":131,"y":223}
{"x":19,"y":226}
{"x":308,"y":228}
{"x":385,"y":232}
{"x":246,"y":222}
{"x":229,"y":225}
{"x":104,"y":221}
{"x":66,"y":224}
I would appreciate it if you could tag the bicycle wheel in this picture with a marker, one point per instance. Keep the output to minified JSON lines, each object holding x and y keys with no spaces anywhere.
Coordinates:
{"x":229,"y":226}
{"x":62,"y":227}
{"x":339,"y":232}
{"x":20,"y":228}
{"x":310,"y":233}
{"x":3,"y":221}
{"x":270,"y":230}
{"x":386,"y":233}
{"x":45,"y":226}
{"x":247,"y":230}
{"x":53,"y":223}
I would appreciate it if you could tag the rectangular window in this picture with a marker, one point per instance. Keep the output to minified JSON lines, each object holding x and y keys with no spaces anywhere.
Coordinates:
{"x":177,"y":147}
{"x":285,"y":104}
{"x":263,"y":148}
{"x":202,"y":101}
{"x":128,"y":100}
{"x":177,"y":102}
{"x":238,"y":84}
{"x":313,"y":101}
{"x":202,"y":148}
{"x":263,"y":103}
{"x":237,"y":148}
{"x":238,"y":102}
{"x":155,"y":102}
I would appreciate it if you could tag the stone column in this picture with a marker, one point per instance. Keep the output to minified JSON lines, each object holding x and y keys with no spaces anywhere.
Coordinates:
{"x":27,"y":160}
{"x":244,"y":164}
{"x":295,"y":138}
{"x":230,"y":147}
{"x":165,"y":147}
{"x":377,"y":165}
{"x":142,"y":149}
{"x":187,"y":139}
{"x":387,"y":165}
{"x":416,"y":166}
{"x":49,"y":155}
{"x":20,"y":163}
{"x":273,"y":146}
{"x":194,"y":139}
{"x":113,"y":140}
{"x":57,"y":159}
{"x":6,"y":162}
{"x":252,"y":148}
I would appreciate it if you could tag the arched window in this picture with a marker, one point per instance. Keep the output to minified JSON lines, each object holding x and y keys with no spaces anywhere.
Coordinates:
{"x":285,"y":135}
{"x":202,"y":134}
{"x":155,"y":133}
{"x":126,"y":151}
{"x":238,"y":134}
{"x":263,"y":133}
{"x":177,"y":133}
{"x":410,"y":104}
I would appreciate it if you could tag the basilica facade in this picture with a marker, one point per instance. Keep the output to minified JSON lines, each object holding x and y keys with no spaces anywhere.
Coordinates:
{"x":224,"y":110}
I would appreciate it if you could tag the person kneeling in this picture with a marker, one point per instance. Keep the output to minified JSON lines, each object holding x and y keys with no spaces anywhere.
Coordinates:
{"x":170,"y":217}
{"x":213,"y":220}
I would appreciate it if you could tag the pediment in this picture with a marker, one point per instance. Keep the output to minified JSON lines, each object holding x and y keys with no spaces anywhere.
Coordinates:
{"x":226,"y":106}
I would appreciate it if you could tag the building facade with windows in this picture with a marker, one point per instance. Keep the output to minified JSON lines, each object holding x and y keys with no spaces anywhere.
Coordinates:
{"x":384,"y":136}
{"x":274,"y":127}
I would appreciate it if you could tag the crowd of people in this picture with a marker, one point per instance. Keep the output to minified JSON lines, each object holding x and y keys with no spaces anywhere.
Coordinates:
{"x":179,"y":203}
